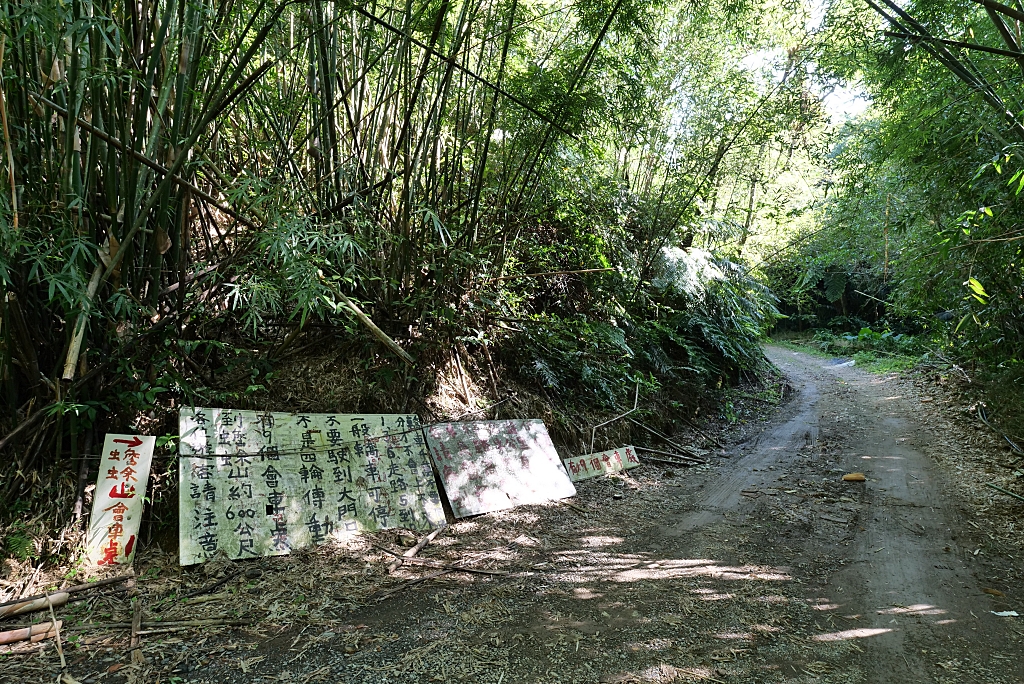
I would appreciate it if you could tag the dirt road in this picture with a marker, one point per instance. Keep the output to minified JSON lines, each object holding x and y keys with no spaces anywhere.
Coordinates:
{"x":760,"y":567}
{"x":885,"y":564}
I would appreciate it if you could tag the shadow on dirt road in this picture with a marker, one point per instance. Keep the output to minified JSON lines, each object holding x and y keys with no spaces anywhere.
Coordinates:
{"x":761,"y":567}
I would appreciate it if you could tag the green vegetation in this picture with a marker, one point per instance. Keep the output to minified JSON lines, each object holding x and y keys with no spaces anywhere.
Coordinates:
{"x":577,"y":199}
{"x":915,"y":250}
{"x":873,"y":351}
{"x":199,"y":190}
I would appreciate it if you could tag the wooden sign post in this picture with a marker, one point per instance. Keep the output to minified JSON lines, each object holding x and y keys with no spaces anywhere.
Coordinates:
{"x":118,"y":500}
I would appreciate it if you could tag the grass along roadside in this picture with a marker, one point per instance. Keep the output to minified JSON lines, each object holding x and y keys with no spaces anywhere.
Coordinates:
{"x":872,"y":360}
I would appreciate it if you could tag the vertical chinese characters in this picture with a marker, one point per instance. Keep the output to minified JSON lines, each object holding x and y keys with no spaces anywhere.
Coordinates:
{"x":268,"y":483}
{"x":119,"y":498}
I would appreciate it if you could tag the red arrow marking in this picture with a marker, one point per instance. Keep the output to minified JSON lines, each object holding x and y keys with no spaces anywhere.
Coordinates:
{"x":133,"y":442}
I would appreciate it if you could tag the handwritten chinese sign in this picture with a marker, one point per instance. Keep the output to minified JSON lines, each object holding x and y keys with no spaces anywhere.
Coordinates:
{"x":263,"y":484}
{"x":118,"y":500}
{"x":496,"y":464}
{"x":602,"y":463}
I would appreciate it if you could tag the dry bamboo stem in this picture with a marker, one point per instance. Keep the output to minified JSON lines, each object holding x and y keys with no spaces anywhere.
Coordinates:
{"x":70,"y":590}
{"x":420,"y":545}
{"x":83,"y":318}
{"x":462,"y":378}
{"x":58,"y":599}
{"x":430,"y":562}
{"x":658,"y":434}
{"x":365,"y":320}
{"x":669,"y":453}
{"x":406,"y":585}
{"x":146,"y":626}
{"x":137,"y":656}
{"x":182,"y":628}
{"x":56,"y":634}
{"x":41,"y":630}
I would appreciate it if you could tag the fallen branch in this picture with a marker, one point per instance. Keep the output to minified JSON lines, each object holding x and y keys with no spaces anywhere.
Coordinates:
{"x":405,"y":585}
{"x":145,"y":626}
{"x":669,"y":453}
{"x":1007,"y":493}
{"x":661,"y":436}
{"x":420,"y":545}
{"x":680,"y":464}
{"x":984,"y":419}
{"x":137,"y":657}
{"x":210,"y":587}
{"x":431,"y":562}
{"x":702,"y":433}
{"x":146,"y":629}
{"x":574,"y":507}
{"x":365,"y":320}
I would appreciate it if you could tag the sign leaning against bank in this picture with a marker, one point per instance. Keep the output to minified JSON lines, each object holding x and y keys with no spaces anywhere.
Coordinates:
{"x":262,"y":484}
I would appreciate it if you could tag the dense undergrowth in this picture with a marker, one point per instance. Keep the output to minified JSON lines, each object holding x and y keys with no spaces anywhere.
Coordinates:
{"x":482,"y":208}
{"x":915,"y":251}
{"x":432,"y":206}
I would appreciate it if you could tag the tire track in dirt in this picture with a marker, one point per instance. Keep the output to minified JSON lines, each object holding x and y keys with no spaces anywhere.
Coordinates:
{"x":882,"y":564}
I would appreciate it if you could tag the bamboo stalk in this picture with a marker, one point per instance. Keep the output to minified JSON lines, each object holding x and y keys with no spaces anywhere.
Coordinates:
{"x":83,"y":318}
{"x":7,"y":138}
{"x":146,"y":161}
{"x":420,"y":545}
{"x":38,"y":632}
{"x":33,"y":605}
{"x":70,"y":590}
{"x":365,"y":320}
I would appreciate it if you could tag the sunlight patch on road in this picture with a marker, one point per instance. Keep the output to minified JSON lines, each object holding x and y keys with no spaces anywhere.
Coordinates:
{"x":634,"y":568}
{"x":600,"y":541}
{"x":847,"y":634}
{"x":916,"y":609}
{"x":735,"y":636}
{"x":711,"y":595}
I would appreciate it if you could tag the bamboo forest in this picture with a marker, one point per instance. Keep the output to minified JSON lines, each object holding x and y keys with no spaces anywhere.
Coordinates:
{"x":511,"y":341}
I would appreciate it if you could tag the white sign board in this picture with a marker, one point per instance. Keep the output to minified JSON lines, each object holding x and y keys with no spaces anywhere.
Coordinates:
{"x":117,"y":501}
{"x":261,"y":484}
{"x":602,"y":463}
{"x":496,"y":464}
